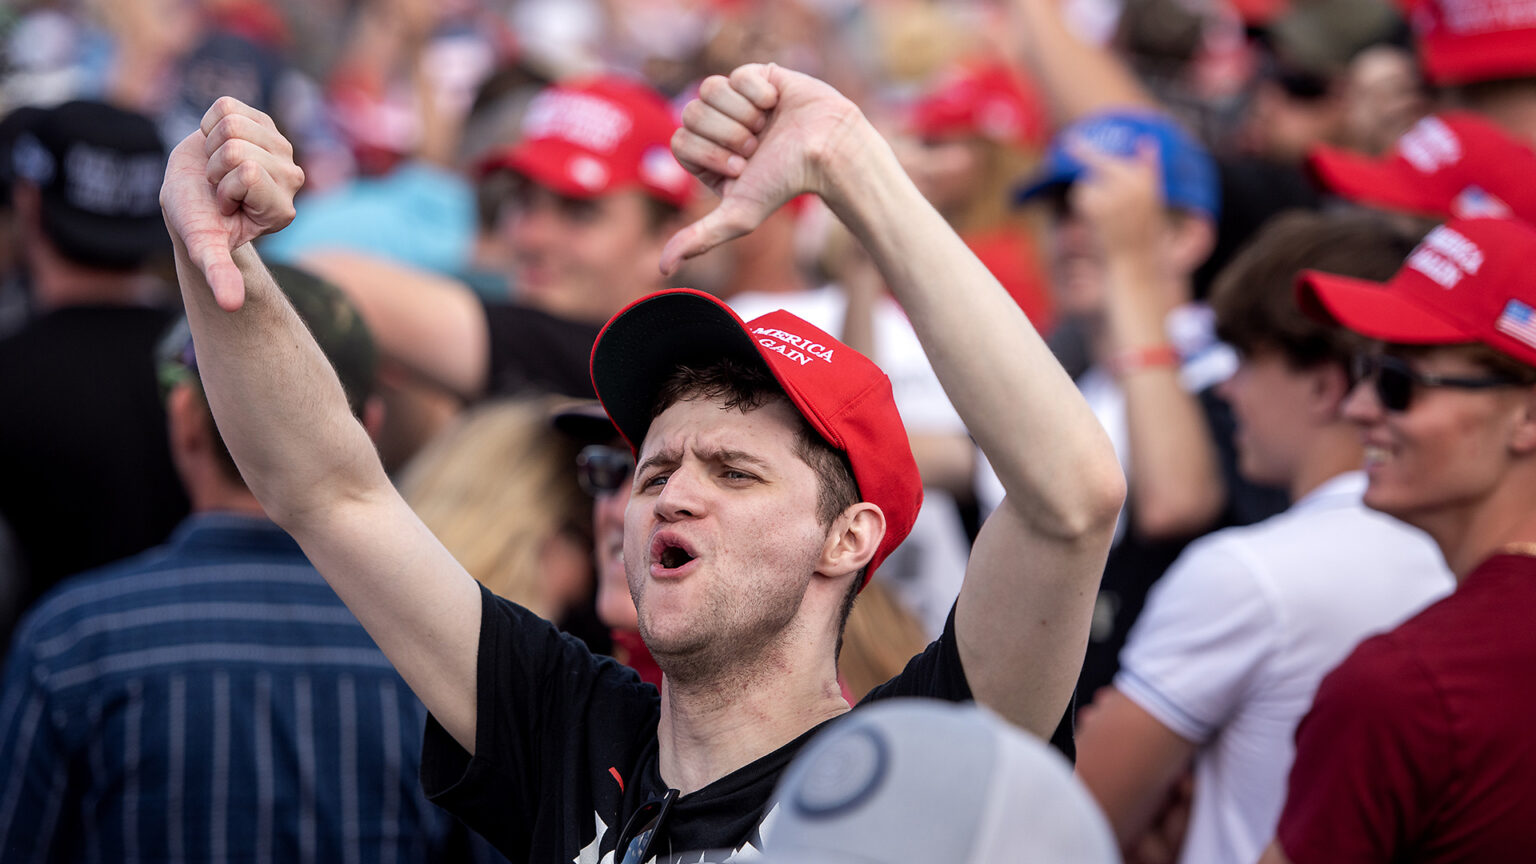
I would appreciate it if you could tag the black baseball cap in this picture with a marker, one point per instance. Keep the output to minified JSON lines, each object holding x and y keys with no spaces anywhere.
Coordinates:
{"x":99,"y":169}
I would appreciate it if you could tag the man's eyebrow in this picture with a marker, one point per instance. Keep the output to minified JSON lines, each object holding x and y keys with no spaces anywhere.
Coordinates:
{"x":738,"y":457}
{"x":660,"y":457}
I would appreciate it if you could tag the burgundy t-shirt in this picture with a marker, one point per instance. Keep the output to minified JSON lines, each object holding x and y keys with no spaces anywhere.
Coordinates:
{"x":1421,"y":746}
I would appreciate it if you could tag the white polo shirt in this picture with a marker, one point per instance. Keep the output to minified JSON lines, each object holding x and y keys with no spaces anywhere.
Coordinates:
{"x":1238,"y":633}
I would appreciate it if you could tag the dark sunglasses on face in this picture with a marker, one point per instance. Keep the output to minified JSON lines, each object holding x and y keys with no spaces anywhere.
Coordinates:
{"x":639,"y":835}
{"x":603,"y":470}
{"x":1394,"y":380}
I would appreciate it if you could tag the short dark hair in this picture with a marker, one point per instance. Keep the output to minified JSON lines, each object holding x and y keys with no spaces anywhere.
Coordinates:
{"x":748,"y":388}
{"x":1254,"y":296}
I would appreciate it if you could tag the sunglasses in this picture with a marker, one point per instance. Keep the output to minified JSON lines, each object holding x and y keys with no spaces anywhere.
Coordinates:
{"x":639,"y":835}
{"x":602,"y":470}
{"x":1394,"y":380}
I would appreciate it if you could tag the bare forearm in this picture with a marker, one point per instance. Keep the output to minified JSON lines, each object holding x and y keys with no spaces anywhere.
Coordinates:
{"x":279,"y":406}
{"x":284,"y":417}
{"x":430,"y":324}
{"x":946,"y":462}
{"x":1078,"y":78}
{"x":1047,"y":448}
{"x":1175,"y":487}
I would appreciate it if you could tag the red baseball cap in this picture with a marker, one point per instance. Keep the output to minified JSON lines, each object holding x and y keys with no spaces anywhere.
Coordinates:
{"x":843,"y":395}
{"x":987,"y":101}
{"x":1465,"y":41}
{"x":1454,"y":164}
{"x":1470,"y":280}
{"x":588,"y":137}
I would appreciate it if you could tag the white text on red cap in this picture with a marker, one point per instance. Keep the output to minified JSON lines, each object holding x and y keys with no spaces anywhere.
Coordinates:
{"x":794,"y":347}
{"x":1446,"y":257}
{"x":580,"y":118}
{"x":1472,"y":16}
{"x":1430,"y":145}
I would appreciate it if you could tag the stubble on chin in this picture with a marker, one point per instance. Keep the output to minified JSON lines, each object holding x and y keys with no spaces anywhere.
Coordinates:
{"x":731,"y":642}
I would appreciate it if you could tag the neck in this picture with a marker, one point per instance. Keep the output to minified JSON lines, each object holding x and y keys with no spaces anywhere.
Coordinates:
{"x":58,"y":282}
{"x":709,"y":728}
{"x":1335,"y":451}
{"x":1469,"y":535}
{"x":210,"y":492}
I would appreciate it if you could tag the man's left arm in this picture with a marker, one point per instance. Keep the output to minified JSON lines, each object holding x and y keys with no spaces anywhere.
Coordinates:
{"x":1022,"y":617}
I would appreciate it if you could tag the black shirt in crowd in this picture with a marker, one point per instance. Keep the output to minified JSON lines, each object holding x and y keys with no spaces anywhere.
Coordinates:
{"x":85,"y":462}
{"x":566,"y":750}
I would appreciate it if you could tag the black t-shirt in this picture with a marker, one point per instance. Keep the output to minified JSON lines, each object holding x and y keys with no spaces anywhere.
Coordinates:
{"x":566,"y":751}
{"x":539,"y":352}
{"x":85,"y":463}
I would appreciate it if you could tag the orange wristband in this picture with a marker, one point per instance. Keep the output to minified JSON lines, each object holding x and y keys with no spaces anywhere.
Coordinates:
{"x":1148,"y":357}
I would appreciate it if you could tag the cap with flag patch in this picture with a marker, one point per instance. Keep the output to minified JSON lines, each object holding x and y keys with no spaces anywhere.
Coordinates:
{"x":588,"y":137}
{"x":1466,"y":41}
{"x":844,"y":396}
{"x":1468,"y":281}
{"x":1455,"y":164}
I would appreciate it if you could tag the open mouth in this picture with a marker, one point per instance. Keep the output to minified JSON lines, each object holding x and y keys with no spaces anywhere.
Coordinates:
{"x":673,"y":557}
{"x":670,"y":553}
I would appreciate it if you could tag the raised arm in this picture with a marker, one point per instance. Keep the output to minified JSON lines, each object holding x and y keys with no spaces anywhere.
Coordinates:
{"x":282,"y":413}
{"x":767,"y":134}
{"x":1078,"y":78}
{"x":431,"y":324}
{"x":1176,"y":486}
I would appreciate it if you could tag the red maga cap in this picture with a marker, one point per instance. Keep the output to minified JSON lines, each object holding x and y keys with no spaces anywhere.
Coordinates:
{"x":1456,"y":164}
{"x":588,"y":137}
{"x":1465,"y":41}
{"x":840,"y":392}
{"x":1470,"y":280}
{"x":987,"y":101}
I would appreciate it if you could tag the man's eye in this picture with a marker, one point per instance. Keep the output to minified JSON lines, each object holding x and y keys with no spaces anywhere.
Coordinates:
{"x":654,"y":481}
{"x":732,"y":474}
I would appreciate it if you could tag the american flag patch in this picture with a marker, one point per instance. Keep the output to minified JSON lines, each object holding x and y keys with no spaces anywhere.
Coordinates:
{"x":1518,"y":321}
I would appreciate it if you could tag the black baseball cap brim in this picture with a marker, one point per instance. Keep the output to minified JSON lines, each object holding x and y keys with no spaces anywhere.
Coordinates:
{"x":646,"y":342}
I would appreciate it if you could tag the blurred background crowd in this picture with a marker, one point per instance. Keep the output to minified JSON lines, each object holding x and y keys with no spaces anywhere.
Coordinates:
{"x":488,"y":182}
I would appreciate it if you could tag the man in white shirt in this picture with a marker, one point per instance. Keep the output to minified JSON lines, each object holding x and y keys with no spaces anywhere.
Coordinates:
{"x":1226,"y":656}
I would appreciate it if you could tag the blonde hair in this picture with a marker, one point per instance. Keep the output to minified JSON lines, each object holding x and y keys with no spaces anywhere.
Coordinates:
{"x":495,"y":488}
{"x":881,"y":636}
{"x":991,"y":206}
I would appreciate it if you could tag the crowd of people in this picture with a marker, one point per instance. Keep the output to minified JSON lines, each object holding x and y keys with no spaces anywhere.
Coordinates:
{"x":522,"y":429}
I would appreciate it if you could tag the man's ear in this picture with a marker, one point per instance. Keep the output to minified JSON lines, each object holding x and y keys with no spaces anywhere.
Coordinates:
{"x":1191,"y":241}
{"x":27,"y":201}
{"x":852,"y":540}
{"x":188,"y":420}
{"x":1328,"y":386}
{"x":1523,"y":439}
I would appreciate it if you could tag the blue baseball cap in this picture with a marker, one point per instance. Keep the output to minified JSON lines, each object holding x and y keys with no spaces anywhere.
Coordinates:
{"x":1189,"y":174}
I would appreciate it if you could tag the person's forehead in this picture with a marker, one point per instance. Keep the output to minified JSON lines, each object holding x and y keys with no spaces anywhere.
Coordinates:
{"x":622,"y":197}
{"x":704,"y":423}
{"x":1443,"y":359}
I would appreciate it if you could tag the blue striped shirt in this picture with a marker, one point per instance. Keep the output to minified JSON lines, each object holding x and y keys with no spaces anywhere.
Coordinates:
{"x":211,"y":700}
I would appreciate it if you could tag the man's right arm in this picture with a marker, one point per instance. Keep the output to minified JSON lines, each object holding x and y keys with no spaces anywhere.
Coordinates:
{"x":431,"y":324}
{"x":281,"y":411}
